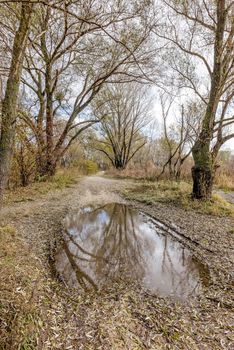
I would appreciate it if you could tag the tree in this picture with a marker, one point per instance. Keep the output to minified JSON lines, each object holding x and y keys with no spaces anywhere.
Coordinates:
{"x":10,"y":100}
{"x":23,"y":167}
{"x":123,"y":110}
{"x":200,"y":37}
{"x":98,"y":43}
{"x":179,"y":136}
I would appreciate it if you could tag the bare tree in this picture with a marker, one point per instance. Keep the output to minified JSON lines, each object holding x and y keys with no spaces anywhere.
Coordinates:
{"x":96,"y":43}
{"x":125,"y":109}
{"x":200,"y":37}
{"x":179,"y":136}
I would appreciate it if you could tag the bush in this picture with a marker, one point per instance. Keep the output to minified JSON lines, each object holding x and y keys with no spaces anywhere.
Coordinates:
{"x":85,"y":166}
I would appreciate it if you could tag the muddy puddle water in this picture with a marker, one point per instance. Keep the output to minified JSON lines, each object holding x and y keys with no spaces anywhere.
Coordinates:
{"x":117,"y":243}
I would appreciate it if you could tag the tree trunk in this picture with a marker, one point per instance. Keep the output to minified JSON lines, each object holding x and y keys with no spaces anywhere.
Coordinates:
{"x":51,"y":168}
{"x":171,"y":172}
{"x":45,"y":167}
{"x":202,"y":182}
{"x":9,"y":104}
{"x":178,"y":174}
{"x":49,"y":124}
{"x":203,"y":170}
{"x":119,"y":165}
{"x":48,"y":158}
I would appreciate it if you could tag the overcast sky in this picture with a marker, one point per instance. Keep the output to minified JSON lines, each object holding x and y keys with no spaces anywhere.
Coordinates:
{"x":157,"y":114}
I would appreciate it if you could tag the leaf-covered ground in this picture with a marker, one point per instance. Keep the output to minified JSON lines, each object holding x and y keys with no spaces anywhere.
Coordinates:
{"x":37,"y":311}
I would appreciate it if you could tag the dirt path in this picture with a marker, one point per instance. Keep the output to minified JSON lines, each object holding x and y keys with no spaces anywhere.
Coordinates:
{"x":124,"y":317}
{"x":42,"y":217}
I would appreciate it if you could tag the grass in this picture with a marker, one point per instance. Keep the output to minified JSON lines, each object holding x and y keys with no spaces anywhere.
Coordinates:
{"x":178,"y":194}
{"x":64,"y":178}
{"x":19,"y":318}
{"x":31,"y":300}
{"x":224,"y":182}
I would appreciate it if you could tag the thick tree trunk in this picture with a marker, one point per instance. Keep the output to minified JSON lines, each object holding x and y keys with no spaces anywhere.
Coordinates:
{"x":203,"y":170}
{"x":9,"y":104}
{"x":119,"y":165}
{"x":202,"y":182}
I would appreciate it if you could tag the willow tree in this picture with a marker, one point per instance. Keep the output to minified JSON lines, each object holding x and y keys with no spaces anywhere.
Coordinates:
{"x":65,"y":69}
{"x":200,"y":50}
{"x":10,"y":100}
{"x":124,"y":111}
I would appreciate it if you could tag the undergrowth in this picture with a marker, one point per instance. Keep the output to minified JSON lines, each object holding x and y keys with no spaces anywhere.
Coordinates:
{"x":64,"y":178}
{"x":179,"y":194}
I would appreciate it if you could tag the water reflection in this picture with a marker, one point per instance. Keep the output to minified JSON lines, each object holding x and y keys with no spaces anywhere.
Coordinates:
{"x":115,"y":242}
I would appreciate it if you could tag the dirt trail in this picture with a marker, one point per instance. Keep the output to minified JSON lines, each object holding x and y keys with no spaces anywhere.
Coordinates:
{"x":39,"y":220}
{"x":124,"y":317}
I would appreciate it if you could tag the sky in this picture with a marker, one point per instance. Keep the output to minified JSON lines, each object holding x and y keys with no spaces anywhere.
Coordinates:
{"x":229,"y":145}
{"x":157,"y":112}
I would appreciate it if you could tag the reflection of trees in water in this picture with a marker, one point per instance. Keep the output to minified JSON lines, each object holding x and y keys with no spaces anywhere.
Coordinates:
{"x":83,"y":279}
{"x":110,"y":243}
{"x":120,"y":244}
{"x":109,"y":254}
{"x":194,"y":272}
{"x":179,"y":282}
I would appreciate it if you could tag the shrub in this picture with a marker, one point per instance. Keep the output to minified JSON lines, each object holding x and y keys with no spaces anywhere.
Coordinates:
{"x":86,"y":166}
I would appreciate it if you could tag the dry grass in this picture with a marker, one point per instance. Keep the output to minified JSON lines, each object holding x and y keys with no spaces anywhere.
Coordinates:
{"x":64,"y":178}
{"x":178,"y":194}
{"x":225,"y":182}
{"x":34,"y":310}
{"x":20,"y":275}
{"x":148,"y":172}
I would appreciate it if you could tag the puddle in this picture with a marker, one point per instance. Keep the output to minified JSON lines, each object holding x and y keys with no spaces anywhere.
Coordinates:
{"x":117,"y":243}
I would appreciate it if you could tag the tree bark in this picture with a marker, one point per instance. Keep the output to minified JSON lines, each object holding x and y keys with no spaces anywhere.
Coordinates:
{"x":202,"y":182}
{"x":50,"y":167}
{"x":10,"y":101}
{"x":203,"y":170}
